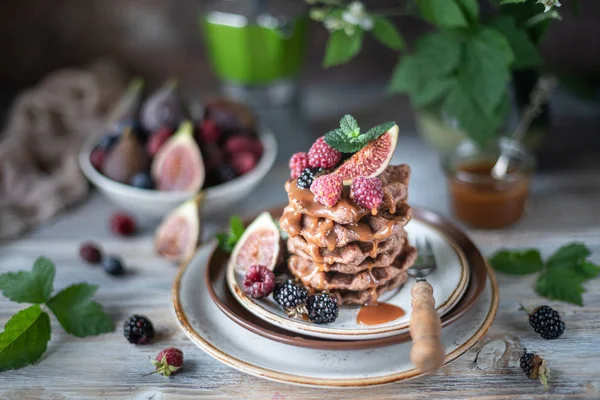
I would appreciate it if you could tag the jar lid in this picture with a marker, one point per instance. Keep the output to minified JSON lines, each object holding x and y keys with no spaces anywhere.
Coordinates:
{"x":270,"y":14}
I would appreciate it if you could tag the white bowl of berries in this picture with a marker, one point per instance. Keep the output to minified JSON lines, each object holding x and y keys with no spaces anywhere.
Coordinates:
{"x":151,"y":164}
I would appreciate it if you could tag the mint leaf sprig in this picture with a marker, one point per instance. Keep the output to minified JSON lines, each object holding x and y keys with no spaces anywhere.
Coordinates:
{"x":228,"y":240}
{"x":26,"y":335}
{"x":562,"y":275}
{"x":348,"y":139}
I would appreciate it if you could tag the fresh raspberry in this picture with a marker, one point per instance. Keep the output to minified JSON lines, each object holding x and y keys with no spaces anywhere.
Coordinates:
{"x":157,"y":140}
{"x":259,"y":281}
{"x":97,"y":158}
{"x":168,"y":362}
{"x":298,"y":163}
{"x":322,"y":155}
{"x":209,"y":131}
{"x":122,"y":224}
{"x":243,"y":162}
{"x":239,"y":143}
{"x":327,"y":189}
{"x":367,"y":192}
{"x":90,"y":253}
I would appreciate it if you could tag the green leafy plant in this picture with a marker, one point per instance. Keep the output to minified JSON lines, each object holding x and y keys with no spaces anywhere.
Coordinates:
{"x":26,"y":335}
{"x":461,"y":70}
{"x":228,"y":240}
{"x":561,"y":276}
{"x":348,"y":139}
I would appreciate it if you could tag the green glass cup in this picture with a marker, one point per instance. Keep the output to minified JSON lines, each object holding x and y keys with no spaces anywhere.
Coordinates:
{"x":256,"y":44}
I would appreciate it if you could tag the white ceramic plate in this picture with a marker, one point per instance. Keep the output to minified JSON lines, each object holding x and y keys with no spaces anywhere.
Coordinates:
{"x":449,"y":283}
{"x":231,"y":344}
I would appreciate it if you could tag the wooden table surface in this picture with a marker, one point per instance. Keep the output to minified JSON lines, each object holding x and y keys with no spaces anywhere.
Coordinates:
{"x":565,"y":207}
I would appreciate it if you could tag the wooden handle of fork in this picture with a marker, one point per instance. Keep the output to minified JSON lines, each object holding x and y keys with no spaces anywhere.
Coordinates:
{"x":427,"y":352}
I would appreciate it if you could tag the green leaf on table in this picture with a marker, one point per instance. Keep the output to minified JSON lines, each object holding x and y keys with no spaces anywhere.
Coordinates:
{"x":30,"y":287}
{"x":568,"y":256}
{"x":518,"y":262}
{"x":445,"y":13}
{"x":342,"y":48}
{"x":377,"y":131}
{"x":470,"y":8}
{"x":77,"y":313}
{"x":587,"y":269}
{"x":561,"y":284}
{"x":484,"y":73}
{"x":24,"y":339}
{"x":349,"y":126}
{"x":526,"y":54}
{"x":386,"y":33}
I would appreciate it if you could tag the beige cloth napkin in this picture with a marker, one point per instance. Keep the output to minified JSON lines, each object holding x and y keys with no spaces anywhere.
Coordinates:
{"x":39,"y":171}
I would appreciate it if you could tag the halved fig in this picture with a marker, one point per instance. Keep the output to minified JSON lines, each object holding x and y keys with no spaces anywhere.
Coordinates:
{"x":178,"y":164}
{"x":177,"y":236}
{"x":371,"y":160}
{"x":260,"y":244}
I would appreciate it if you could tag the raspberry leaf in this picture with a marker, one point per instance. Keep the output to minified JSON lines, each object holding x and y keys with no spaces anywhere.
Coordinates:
{"x":588,"y":270}
{"x":24,"y":339}
{"x":568,"y":256}
{"x":228,"y":240}
{"x":386,"y":33}
{"x":237,"y":227}
{"x":30,"y":287}
{"x":77,"y":313}
{"x":342,"y":48}
{"x":522,"y":262}
{"x":561,"y":284}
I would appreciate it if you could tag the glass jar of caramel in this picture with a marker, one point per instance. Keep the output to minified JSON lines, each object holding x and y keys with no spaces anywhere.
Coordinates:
{"x":478,"y":199}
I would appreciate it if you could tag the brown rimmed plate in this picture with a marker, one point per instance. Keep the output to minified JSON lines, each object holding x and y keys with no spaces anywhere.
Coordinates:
{"x":226,"y":302}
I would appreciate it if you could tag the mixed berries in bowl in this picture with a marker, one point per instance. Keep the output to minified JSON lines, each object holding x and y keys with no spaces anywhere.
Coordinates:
{"x":156,"y":155}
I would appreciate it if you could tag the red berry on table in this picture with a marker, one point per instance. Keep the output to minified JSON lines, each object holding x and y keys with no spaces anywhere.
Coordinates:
{"x":122,"y":224}
{"x":243,"y":162}
{"x":298,"y":163}
{"x":168,"y":362}
{"x":209,"y":131}
{"x":157,"y":140}
{"x":259,"y":281}
{"x":323,"y":155}
{"x":327,"y":189}
{"x":367,"y":192}
{"x":90,"y":253}
{"x":97,"y":158}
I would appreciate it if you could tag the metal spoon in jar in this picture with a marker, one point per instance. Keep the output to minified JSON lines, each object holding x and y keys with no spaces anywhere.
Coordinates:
{"x":540,"y":93}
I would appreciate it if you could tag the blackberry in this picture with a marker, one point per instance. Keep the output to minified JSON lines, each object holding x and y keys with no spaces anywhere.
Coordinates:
{"x":546,"y":322}
{"x":138,"y":330}
{"x":225,"y":173}
{"x":307,"y":177}
{"x":322,"y":308}
{"x":535,"y":367}
{"x":290,"y":295}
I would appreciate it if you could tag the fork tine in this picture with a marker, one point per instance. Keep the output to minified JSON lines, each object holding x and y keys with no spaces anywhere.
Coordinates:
{"x":429,"y":249}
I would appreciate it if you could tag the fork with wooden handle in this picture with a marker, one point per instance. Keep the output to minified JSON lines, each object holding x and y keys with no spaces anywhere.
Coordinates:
{"x":427,"y":352}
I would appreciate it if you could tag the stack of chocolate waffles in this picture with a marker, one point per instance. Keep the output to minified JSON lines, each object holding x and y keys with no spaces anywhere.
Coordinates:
{"x":349,"y":251}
